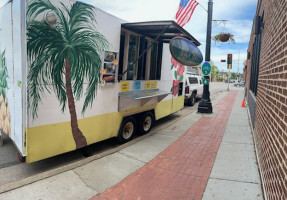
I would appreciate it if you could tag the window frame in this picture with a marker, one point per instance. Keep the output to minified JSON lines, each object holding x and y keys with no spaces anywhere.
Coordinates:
{"x":148,"y":56}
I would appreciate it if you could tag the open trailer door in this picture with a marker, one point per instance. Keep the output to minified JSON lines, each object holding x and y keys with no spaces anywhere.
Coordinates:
{"x":11,"y":73}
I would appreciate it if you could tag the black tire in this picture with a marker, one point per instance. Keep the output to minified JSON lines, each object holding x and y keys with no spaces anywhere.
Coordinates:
{"x":192,"y":99}
{"x":127,"y":130}
{"x":146,"y":122}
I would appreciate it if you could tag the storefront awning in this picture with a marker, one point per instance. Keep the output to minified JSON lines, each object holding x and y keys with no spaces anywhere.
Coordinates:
{"x":154,"y":28}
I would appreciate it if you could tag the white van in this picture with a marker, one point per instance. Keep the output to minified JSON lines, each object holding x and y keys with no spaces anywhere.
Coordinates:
{"x":193,"y":88}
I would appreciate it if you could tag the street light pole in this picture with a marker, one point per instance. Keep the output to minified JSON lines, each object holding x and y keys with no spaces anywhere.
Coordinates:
{"x":205,"y":105}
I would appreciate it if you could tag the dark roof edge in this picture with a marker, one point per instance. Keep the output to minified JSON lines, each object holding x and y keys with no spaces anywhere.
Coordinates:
{"x":167,"y":22}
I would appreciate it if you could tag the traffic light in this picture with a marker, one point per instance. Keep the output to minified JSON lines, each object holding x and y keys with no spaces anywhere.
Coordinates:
{"x":229,"y":59}
{"x":222,"y":60}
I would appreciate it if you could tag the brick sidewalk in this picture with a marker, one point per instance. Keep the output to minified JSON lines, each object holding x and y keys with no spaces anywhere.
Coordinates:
{"x":182,"y":170}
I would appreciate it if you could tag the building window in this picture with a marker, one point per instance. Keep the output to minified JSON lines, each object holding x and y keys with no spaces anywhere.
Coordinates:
{"x":256,"y":58}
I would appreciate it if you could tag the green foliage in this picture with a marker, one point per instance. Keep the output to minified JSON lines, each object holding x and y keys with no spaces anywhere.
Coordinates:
{"x":214,"y":72}
{"x":233,"y":75}
{"x":73,"y":39}
{"x":219,"y":79}
{"x":224,"y":37}
{"x":3,"y":74}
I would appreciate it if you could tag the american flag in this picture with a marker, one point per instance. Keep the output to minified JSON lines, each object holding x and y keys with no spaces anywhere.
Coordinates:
{"x":185,"y":10}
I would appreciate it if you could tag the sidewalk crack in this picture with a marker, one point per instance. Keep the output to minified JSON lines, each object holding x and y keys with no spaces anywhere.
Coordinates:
{"x":85,"y":182}
{"x":238,"y":143}
{"x":133,"y":157}
{"x":223,"y":179}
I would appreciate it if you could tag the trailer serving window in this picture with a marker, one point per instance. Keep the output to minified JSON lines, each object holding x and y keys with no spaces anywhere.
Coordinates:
{"x":136,"y":40}
{"x":137,"y":60}
{"x":132,"y":56}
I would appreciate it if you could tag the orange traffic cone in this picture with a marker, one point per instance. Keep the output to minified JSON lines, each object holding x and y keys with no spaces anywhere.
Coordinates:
{"x":243,"y":104}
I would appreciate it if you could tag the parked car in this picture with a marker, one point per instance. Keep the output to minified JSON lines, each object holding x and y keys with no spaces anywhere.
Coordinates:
{"x":193,"y":88}
{"x":230,"y":81}
{"x":238,"y":84}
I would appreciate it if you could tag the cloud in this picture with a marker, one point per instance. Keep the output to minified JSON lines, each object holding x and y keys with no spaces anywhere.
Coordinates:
{"x":138,"y":10}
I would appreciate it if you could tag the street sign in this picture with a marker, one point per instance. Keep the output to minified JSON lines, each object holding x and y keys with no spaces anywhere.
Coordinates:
{"x":206,"y":68}
{"x":205,"y":81}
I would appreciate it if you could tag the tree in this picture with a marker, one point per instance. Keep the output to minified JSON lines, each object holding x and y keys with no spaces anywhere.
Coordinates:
{"x":233,"y":75}
{"x":5,"y":117}
{"x":62,"y":56}
{"x":214,"y":72}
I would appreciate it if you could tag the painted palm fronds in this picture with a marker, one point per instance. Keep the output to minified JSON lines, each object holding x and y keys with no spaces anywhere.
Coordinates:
{"x":64,"y":53}
{"x":5,"y":126}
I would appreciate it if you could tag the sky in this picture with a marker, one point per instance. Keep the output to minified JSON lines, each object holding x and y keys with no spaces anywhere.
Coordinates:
{"x":239,"y":14}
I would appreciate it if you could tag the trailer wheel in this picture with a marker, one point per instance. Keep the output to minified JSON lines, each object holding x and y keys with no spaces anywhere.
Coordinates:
{"x":192,"y":99}
{"x":145,"y":123}
{"x":127,"y":130}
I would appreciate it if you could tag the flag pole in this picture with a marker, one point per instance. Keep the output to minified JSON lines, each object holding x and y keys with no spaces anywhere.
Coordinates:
{"x":205,"y":105}
{"x":202,"y":7}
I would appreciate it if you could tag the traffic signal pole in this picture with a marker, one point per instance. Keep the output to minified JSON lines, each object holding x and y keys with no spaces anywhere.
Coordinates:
{"x":229,"y":66}
{"x":205,"y":105}
{"x":228,"y":80}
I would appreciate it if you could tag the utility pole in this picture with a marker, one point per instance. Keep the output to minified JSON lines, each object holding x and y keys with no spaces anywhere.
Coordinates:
{"x":205,"y":105}
{"x":238,"y":66}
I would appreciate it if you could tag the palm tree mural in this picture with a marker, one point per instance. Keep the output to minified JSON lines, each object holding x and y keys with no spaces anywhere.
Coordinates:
{"x":63,"y":55}
{"x":5,"y":126}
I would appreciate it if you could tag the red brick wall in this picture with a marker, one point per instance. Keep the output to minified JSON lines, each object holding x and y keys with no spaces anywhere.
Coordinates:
{"x":271,"y":101}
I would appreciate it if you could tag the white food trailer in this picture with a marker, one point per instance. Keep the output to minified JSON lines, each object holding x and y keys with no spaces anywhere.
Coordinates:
{"x":72,"y":75}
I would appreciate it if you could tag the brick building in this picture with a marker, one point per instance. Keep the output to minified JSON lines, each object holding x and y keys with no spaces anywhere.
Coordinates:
{"x":266,"y":94}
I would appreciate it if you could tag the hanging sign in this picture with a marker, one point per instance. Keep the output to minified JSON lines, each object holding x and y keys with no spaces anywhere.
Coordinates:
{"x":185,"y":51}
